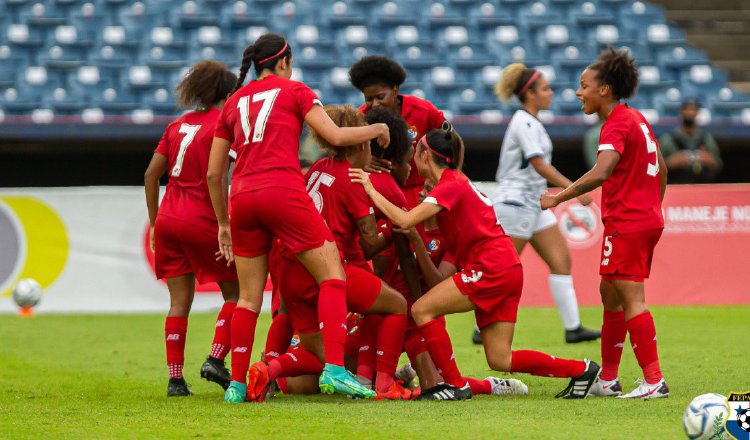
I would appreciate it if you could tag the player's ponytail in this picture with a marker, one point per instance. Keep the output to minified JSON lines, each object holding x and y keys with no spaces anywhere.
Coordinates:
{"x":516,"y":79}
{"x":247,"y":61}
{"x":445,"y":146}
{"x":618,"y":70}
{"x":206,"y":84}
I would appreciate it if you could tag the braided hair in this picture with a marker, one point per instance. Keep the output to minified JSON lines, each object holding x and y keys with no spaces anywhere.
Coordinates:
{"x":265,"y":53}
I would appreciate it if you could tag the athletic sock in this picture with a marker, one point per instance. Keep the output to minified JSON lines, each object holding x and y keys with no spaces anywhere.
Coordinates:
{"x":295,"y":362}
{"x":175,"y":330}
{"x":564,"y":295}
{"x":643,"y":339}
{"x":390,"y":344}
{"x":222,"y":339}
{"x":537,"y":363}
{"x":242,"y":335}
{"x":479,"y":386}
{"x":368,"y":342}
{"x":332,"y":317}
{"x":614,"y":331}
{"x":441,"y":351}
{"x":279,"y":336}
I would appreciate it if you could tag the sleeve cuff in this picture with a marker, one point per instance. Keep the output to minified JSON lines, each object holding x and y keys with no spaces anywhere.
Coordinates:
{"x":533,"y":155}
{"x":232,"y":154}
{"x":605,"y":147}
{"x":432,"y":200}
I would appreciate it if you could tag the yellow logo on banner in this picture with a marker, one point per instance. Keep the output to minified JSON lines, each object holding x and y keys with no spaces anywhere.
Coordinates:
{"x":35,"y":242}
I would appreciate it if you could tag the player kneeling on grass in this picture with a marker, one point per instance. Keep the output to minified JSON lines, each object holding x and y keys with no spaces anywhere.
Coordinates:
{"x":631,"y":171}
{"x":183,"y":229}
{"x":489,"y":280}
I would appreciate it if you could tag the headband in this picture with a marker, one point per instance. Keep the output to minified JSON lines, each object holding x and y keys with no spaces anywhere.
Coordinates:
{"x":283,"y":49}
{"x":529,"y":83}
{"x":448,"y":160}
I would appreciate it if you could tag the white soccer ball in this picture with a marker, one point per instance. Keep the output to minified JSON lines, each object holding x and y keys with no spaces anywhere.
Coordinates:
{"x":704,"y":417}
{"x":27,"y":293}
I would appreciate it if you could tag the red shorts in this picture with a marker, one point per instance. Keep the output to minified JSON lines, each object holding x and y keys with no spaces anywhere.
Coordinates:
{"x":300,"y":293}
{"x":494,"y":294}
{"x":290,"y":215}
{"x":183,"y":248}
{"x":628,"y":256}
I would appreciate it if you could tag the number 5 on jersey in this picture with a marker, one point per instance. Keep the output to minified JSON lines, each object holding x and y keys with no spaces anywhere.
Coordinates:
{"x":268,"y":97}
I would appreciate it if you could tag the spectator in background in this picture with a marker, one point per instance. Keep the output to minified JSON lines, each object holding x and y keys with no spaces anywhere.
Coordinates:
{"x":591,"y":144}
{"x":691,"y":154}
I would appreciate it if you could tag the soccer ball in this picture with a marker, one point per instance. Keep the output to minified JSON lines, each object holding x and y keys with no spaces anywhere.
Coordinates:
{"x":704,"y":417}
{"x":744,"y":420}
{"x":27,"y":293}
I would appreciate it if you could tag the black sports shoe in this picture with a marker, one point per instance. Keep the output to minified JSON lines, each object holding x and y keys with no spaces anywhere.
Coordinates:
{"x":581,"y":334}
{"x":213,"y":370}
{"x":579,"y":387}
{"x":476,"y":338}
{"x":178,"y":387}
{"x":445,"y":391}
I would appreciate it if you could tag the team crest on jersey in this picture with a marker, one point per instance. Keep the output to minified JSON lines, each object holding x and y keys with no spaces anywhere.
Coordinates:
{"x":475,"y":276}
{"x":413,"y":133}
{"x":737,"y":424}
{"x":434,"y":245}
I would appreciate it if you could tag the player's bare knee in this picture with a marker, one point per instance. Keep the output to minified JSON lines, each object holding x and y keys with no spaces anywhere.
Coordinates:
{"x":421,"y":313}
{"x":499,"y":360}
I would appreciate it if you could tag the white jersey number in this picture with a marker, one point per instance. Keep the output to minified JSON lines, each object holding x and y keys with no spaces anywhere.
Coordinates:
{"x":268,"y":97}
{"x":189,"y":131}
{"x":486,"y":200}
{"x":653,"y":168}
{"x":313,"y":187}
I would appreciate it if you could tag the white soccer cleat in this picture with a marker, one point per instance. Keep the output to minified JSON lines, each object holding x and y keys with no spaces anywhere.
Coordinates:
{"x":507,"y":387}
{"x":606,"y":388}
{"x":648,"y":391}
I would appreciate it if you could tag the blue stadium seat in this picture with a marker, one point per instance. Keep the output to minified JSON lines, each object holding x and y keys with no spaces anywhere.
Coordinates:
{"x":21,"y":99}
{"x":115,"y":102}
{"x":727,"y":102}
{"x":66,"y":101}
{"x":342,"y":14}
{"x":401,"y":13}
{"x":639,"y":15}
{"x":193,"y":16}
{"x":161,"y":102}
{"x":589,"y":14}
{"x":442,"y":14}
{"x":487,"y":15}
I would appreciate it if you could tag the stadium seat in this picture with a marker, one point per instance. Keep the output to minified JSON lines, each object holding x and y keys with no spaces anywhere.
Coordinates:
{"x":392,"y":14}
{"x":342,"y":14}
{"x":727,"y":102}
{"x":487,"y":15}
{"x":193,"y":16}
{"x":589,"y":15}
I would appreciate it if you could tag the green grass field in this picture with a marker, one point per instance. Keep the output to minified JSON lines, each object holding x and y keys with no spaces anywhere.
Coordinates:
{"x":98,"y":376}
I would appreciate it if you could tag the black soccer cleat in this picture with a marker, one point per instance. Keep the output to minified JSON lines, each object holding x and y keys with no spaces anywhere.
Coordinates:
{"x":579,"y":387}
{"x":178,"y":387}
{"x":581,"y":334}
{"x":213,"y":370}
{"x":445,"y":391}
{"x":476,"y":338}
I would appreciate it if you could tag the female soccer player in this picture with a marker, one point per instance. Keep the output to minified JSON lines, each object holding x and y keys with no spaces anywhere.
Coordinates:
{"x":183,"y":229}
{"x":379,"y":78}
{"x":631,"y":171}
{"x":516,"y":200}
{"x":262,"y":121}
{"x":489,"y":278}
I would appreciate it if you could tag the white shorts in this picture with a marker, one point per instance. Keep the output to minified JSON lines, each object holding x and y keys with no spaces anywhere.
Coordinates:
{"x":521,"y":221}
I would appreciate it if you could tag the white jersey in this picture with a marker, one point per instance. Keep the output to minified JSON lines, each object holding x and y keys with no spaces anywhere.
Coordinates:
{"x":518,"y":182}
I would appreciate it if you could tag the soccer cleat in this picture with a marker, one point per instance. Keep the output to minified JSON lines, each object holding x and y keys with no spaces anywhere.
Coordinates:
{"x":336,"y":379}
{"x":507,"y":387}
{"x":396,"y":392}
{"x":406,"y":374}
{"x":606,"y":388}
{"x":646,"y":390}
{"x":581,"y":334}
{"x":213,"y":370}
{"x":476,"y":337}
{"x":178,"y":388}
{"x":258,"y":382}
{"x":444,"y":391}
{"x":365,"y":382}
{"x":579,"y":387}
{"x":236,"y":392}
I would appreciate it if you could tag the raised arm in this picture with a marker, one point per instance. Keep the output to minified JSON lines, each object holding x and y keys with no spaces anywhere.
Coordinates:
{"x":593,"y":179}
{"x":318,"y":119}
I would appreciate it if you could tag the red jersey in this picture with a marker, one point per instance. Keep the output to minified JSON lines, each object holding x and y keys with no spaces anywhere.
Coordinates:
{"x":186,"y":143}
{"x":341,"y":203}
{"x":263,"y":121}
{"x":631,"y":196}
{"x":469,"y":224}
{"x":421,"y":116}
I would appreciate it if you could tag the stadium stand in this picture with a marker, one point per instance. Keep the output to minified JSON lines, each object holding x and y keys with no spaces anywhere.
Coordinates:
{"x":111,"y":57}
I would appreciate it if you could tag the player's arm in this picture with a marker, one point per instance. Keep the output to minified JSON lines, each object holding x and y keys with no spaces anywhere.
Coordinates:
{"x":663,"y":173}
{"x":408,"y":265}
{"x":318,"y":119}
{"x":155,"y":170}
{"x":553,"y":176}
{"x":404,"y":219}
{"x":605,"y":163}
{"x":372,"y":241}
{"x":432,"y":274}
{"x":216,"y":179}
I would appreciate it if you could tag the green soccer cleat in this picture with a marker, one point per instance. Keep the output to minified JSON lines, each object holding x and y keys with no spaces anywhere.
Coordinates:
{"x":336,"y":379}
{"x":236,"y":393}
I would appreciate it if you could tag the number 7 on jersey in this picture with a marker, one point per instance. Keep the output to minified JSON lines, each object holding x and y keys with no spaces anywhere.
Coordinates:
{"x":268,"y":98}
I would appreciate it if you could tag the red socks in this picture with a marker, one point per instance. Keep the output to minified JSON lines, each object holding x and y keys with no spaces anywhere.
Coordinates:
{"x":279,"y":336}
{"x":441,"y":351}
{"x":295,"y":362}
{"x":368,"y":341}
{"x":479,"y":386}
{"x":222,"y":342}
{"x":643,"y":339}
{"x":175,"y":330}
{"x":614,"y":331}
{"x":390,"y":345}
{"x":537,"y":363}
{"x":332,"y":317}
{"x":242,"y":335}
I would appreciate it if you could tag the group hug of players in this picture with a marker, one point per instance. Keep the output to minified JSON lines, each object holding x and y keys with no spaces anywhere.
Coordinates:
{"x":379,"y":240}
